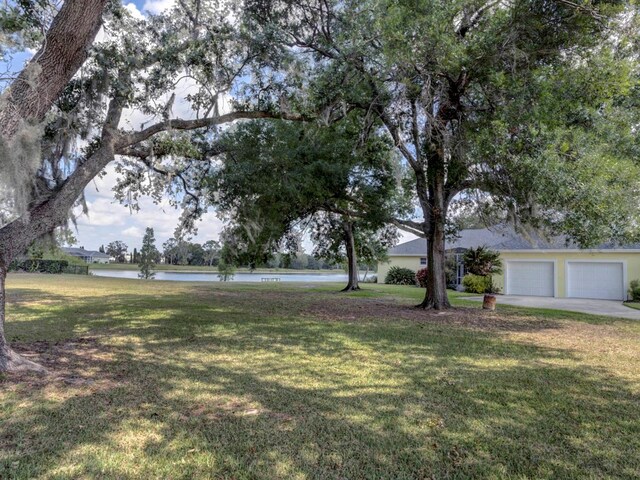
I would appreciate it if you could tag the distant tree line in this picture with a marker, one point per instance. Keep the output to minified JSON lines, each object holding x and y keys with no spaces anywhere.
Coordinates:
{"x":176,"y":251}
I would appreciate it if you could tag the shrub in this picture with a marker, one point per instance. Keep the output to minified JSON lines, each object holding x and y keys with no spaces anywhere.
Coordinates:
{"x":477,"y":283}
{"x":482,"y":261}
{"x":421,"y":277}
{"x":400,"y":276}
{"x":634,"y":290}
{"x":39,"y":266}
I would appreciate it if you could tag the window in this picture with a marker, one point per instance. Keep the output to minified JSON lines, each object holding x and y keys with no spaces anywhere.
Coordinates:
{"x":423,"y":260}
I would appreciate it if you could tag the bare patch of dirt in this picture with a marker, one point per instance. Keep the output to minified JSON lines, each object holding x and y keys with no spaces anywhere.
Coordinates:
{"x":363,"y":309}
{"x":78,"y":362}
{"x":207,"y":292}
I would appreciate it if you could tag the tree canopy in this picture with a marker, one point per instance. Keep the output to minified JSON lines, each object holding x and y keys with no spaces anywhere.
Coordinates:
{"x":464,"y":89}
{"x":528,"y":107}
{"x":277,"y":178}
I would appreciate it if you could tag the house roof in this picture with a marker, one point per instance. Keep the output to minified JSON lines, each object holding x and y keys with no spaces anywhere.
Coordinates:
{"x":499,"y":238}
{"x":81,"y":252}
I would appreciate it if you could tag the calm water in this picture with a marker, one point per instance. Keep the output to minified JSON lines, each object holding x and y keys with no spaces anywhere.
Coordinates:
{"x":238,"y":277}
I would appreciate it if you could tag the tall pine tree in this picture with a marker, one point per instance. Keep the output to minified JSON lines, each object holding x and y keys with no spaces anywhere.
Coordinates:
{"x":148,"y":255}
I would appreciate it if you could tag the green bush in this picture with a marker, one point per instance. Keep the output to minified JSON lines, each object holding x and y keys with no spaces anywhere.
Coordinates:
{"x":482,"y":261}
{"x":477,"y":283}
{"x":421,"y":277}
{"x":39,"y":266}
{"x":400,"y":276}
{"x":47,"y":266}
{"x":634,"y":290}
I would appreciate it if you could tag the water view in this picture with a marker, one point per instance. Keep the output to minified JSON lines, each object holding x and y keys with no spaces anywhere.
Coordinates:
{"x":237,"y":277}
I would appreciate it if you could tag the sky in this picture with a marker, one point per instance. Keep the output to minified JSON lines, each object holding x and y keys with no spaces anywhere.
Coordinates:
{"x":107,"y":219}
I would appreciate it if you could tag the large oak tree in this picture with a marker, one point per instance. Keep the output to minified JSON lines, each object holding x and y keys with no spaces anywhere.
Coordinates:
{"x":276,"y":179}
{"x":441,"y":76}
{"x":135,"y":69}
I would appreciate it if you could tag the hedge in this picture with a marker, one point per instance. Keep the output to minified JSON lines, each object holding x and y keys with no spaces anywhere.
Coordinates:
{"x":48,"y":266}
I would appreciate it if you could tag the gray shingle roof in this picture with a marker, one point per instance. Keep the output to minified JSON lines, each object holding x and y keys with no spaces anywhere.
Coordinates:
{"x":81,"y":252}
{"x":498,"y":238}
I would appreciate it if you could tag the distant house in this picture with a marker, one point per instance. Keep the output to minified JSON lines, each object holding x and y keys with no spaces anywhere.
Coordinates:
{"x":88,"y":256}
{"x":534,"y":266}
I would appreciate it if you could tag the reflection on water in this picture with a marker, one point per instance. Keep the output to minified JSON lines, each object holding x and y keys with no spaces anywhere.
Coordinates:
{"x":237,"y":277}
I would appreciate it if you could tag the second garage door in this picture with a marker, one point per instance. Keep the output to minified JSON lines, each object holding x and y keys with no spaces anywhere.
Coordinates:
{"x":602,"y":280}
{"x":530,"y":278}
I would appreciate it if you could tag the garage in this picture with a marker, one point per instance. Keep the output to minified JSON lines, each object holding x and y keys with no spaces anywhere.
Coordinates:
{"x":601,"y":280}
{"x":530,"y":278}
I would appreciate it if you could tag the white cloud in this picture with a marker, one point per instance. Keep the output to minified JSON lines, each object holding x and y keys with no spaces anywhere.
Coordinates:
{"x":406,"y":237}
{"x":100,"y":36}
{"x":157,"y":6}
{"x":108,"y":220}
{"x":133,"y":232}
{"x":133,"y":9}
{"x":136,"y":120}
{"x":102,"y":187}
{"x":101,"y":214}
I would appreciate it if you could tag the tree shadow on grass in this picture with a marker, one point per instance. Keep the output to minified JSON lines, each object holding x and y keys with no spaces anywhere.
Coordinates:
{"x":180,"y":388}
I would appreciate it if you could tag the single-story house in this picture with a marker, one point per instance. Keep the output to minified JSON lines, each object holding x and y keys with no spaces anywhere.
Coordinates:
{"x":535,"y":267}
{"x":89,"y":256}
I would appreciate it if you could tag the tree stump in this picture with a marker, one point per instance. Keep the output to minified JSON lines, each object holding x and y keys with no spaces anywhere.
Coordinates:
{"x":489,"y":302}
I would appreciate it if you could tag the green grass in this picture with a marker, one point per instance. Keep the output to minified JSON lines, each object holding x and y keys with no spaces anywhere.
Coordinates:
{"x":254,"y":381}
{"x":634,"y":305}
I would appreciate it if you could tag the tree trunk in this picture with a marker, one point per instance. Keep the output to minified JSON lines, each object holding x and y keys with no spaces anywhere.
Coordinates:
{"x":43,"y":218}
{"x":436,"y":292}
{"x":352,"y":259}
{"x":16,"y":236}
{"x":65,"y":48}
{"x":10,"y":361}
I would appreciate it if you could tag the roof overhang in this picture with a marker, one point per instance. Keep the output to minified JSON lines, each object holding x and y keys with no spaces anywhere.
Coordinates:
{"x":574,"y":250}
{"x":535,"y":250}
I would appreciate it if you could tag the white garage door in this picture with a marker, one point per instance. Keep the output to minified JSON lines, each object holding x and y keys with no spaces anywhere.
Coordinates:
{"x":530,"y":278}
{"x":595,"y":280}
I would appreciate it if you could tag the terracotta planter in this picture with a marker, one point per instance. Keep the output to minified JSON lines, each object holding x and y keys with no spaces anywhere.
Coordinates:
{"x":489,"y":302}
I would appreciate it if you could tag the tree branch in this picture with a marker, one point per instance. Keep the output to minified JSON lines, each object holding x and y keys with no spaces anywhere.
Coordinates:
{"x":470,"y":21}
{"x":582,"y":8}
{"x":65,"y":48}
{"x":405,"y":225}
{"x":42,"y":218}
{"x":128,"y":139}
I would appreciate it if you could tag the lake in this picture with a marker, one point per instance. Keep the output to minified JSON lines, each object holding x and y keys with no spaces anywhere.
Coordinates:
{"x":237,"y":277}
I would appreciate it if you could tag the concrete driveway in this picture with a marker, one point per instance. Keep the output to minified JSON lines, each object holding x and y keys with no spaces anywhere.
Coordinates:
{"x":609,"y":308}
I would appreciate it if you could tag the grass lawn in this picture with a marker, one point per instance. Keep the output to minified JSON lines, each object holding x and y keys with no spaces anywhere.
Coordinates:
{"x":634,"y":305}
{"x":247,"y":381}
